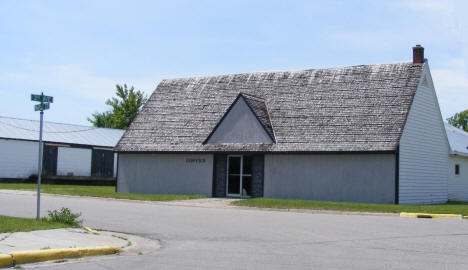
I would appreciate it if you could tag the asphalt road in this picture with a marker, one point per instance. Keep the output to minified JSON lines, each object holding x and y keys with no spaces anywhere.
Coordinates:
{"x":214,"y":238}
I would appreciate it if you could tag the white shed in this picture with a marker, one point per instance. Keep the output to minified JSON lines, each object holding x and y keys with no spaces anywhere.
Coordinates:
{"x":69,"y":150}
{"x":458,"y":162}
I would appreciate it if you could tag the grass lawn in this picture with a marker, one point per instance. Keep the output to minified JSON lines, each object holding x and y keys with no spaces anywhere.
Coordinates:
{"x":448,"y":208}
{"x":97,"y":191}
{"x":14,"y":224}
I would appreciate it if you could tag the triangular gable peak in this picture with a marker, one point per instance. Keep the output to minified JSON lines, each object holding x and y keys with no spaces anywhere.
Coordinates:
{"x":246,"y":121}
{"x":260,"y":109}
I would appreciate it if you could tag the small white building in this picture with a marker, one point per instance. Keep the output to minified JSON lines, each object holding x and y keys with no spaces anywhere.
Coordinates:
{"x":69,"y":150}
{"x":458,"y":162}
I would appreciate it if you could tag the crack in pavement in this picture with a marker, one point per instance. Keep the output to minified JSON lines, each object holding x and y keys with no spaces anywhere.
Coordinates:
{"x":6,"y":236}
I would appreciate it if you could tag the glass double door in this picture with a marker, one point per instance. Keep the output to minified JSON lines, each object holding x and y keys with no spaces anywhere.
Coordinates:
{"x":239,"y":176}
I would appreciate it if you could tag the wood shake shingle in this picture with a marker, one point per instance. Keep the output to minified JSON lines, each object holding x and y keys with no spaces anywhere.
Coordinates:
{"x":357,"y":108}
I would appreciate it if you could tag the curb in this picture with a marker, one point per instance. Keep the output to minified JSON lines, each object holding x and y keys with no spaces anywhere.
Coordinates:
{"x":54,"y":254}
{"x":91,"y":230}
{"x":313,"y":211}
{"x":6,"y":260}
{"x":427,"y":215}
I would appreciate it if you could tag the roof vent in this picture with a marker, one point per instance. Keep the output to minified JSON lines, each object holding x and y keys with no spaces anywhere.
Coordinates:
{"x":418,"y":54}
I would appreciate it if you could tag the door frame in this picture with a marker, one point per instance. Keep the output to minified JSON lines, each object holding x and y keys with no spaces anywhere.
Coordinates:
{"x":240,"y":176}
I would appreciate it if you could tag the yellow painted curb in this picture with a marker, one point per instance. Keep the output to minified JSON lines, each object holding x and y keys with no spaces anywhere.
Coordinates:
{"x":426,"y":215}
{"x":55,"y":254}
{"x":6,"y":260}
{"x":90,"y":230}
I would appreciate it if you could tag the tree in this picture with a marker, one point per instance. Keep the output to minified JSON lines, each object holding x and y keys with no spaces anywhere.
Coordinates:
{"x":459,"y":120}
{"x":125,"y":107}
{"x":103,"y":119}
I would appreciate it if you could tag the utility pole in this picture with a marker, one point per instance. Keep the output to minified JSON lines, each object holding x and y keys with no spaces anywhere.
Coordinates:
{"x":43,"y":105}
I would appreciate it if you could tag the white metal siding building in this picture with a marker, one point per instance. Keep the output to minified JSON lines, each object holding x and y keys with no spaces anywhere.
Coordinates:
{"x":423,"y":163}
{"x":458,"y":164}
{"x":69,"y":150}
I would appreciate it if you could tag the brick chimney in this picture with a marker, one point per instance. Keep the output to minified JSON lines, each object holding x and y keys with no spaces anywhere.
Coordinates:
{"x":418,"y":54}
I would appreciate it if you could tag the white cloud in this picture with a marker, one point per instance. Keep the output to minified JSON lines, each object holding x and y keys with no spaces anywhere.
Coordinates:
{"x":427,"y":22}
{"x":366,"y":40}
{"x":462,"y":26}
{"x":63,"y":78}
{"x":73,"y":80}
{"x":146,"y":85}
{"x":80,"y":81}
{"x":451,"y":79}
{"x":77,"y":92}
{"x":451,"y":83}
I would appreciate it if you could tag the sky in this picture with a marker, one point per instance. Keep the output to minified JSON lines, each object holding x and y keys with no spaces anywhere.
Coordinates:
{"x":77,"y":51}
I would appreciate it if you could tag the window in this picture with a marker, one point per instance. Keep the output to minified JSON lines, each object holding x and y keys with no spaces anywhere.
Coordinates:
{"x":457,"y":169}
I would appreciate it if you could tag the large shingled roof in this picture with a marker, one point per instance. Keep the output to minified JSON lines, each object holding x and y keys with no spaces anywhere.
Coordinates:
{"x":357,"y":108}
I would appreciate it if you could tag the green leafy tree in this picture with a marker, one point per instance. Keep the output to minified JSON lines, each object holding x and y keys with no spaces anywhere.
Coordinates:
{"x":459,"y":120}
{"x":103,"y":119}
{"x":125,"y":107}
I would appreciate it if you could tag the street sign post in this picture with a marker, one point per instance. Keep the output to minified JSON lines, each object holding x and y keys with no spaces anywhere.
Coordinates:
{"x":43,"y":105}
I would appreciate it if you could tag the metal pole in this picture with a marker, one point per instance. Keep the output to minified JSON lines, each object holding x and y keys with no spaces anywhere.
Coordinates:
{"x":39,"y":173}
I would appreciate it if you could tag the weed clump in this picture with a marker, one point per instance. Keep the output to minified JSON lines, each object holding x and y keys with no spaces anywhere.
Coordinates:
{"x":65,"y":215}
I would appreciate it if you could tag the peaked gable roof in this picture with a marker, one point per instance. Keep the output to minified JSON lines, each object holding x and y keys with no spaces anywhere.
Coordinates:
{"x":260,"y":109}
{"x":458,"y":140}
{"x":357,"y":108}
{"x":246,"y":121}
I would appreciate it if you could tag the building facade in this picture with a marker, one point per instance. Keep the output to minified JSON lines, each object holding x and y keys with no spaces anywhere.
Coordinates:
{"x":68,"y":150}
{"x":458,"y":163}
{"x":355,"y":134}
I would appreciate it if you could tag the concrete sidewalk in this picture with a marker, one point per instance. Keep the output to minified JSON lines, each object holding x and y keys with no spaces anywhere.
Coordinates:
{"x":72,"y":238}
{"x":58,"y":238}
{"x":203,"y":202}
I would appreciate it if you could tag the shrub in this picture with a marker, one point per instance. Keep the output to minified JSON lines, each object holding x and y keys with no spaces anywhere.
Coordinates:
{"x":65,"y":215}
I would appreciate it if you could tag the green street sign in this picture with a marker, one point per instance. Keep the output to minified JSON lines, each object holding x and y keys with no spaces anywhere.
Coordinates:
{"x":48,"y":99}
{"x":36,"y":97}
{"x":42,"y":98}
{"x":41,"y":106}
